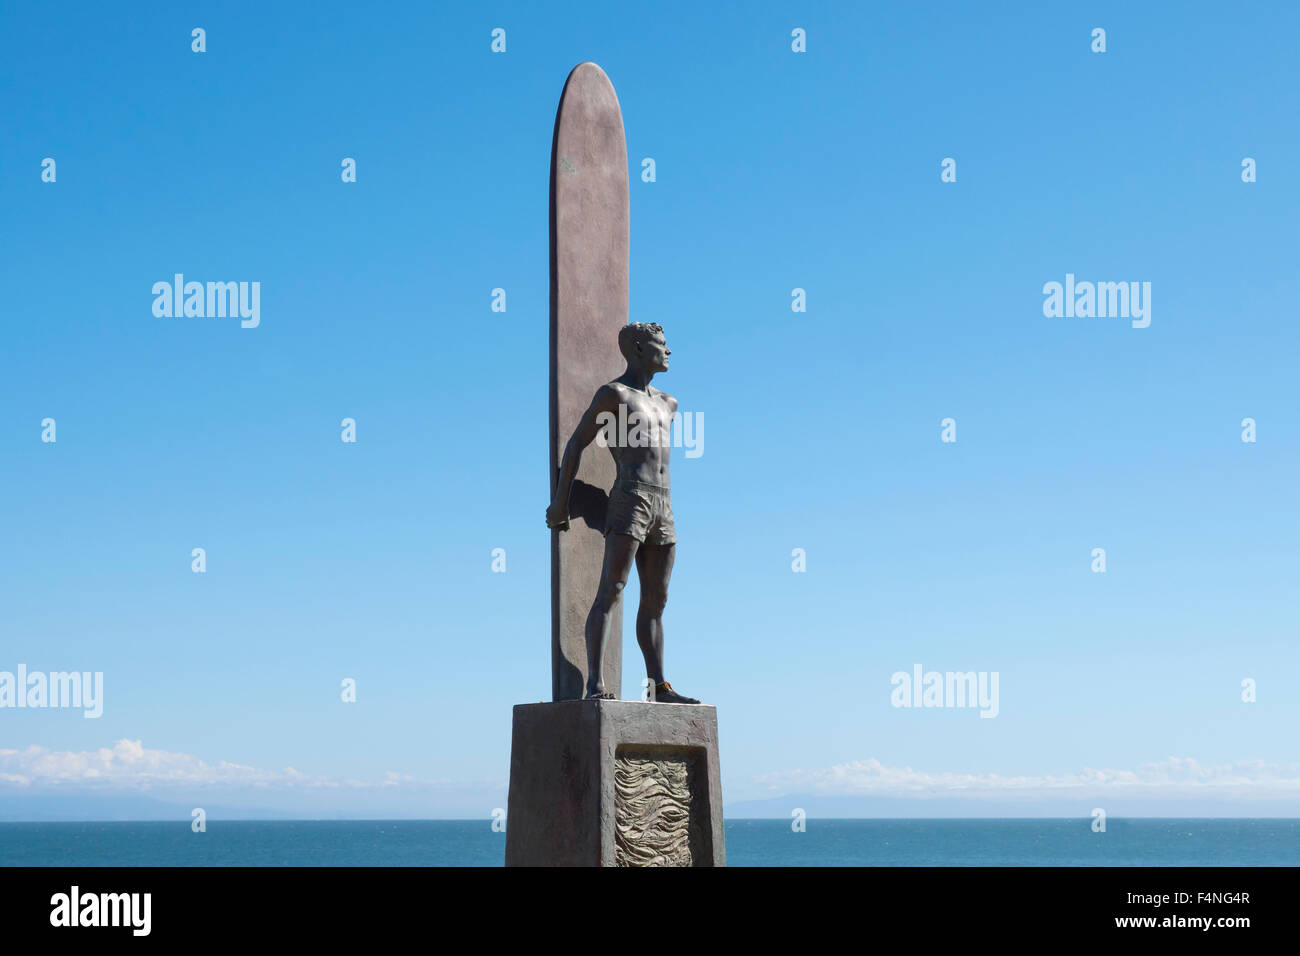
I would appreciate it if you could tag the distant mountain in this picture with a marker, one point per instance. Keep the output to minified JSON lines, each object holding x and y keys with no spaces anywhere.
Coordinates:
{"x":43,"y":808}
{"x":18,"y":806}
{"x":471,"y":802}
{"x":1029,"y":805}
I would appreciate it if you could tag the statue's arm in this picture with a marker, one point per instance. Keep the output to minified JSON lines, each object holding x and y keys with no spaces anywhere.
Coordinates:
{"x":557,"y":515}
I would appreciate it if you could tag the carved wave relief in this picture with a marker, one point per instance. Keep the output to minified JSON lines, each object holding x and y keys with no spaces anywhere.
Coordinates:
{"x":655,"y":814}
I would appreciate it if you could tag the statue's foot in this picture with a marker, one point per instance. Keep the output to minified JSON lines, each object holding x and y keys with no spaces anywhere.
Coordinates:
{"x":601,"y":696}
{"x":664,"y":694}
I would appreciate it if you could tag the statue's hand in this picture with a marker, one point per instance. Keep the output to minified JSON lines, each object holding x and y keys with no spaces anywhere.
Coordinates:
{"x":557,"y":518}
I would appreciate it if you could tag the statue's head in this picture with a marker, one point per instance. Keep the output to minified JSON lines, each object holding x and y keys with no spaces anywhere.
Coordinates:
{"x":643,"y":343}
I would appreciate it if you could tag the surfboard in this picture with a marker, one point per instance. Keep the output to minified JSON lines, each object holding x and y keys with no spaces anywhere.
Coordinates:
{"x":589,"y":300}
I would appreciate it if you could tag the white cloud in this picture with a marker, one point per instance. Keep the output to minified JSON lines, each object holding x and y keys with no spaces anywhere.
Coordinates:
{"x":128,"y":764}
{"x":1176,"y":775}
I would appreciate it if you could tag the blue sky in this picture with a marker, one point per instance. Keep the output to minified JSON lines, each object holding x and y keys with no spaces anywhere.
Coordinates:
{"x":775,"y":170}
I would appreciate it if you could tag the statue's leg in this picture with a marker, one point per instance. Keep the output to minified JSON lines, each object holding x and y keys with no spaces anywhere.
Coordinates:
{"x":654,"y":566}
{"x":620,"y":551}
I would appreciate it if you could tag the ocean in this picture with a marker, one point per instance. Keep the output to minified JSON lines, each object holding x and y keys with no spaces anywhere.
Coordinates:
{"x":1126,"y":842}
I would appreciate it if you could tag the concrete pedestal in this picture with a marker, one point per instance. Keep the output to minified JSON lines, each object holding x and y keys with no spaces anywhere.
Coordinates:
{"x":614,"y":783}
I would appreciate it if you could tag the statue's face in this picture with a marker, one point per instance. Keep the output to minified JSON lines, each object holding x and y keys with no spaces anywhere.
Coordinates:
{"x":655,"y":351}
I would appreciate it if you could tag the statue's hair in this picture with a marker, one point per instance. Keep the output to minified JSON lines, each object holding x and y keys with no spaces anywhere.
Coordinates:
{"x":633,"y":333}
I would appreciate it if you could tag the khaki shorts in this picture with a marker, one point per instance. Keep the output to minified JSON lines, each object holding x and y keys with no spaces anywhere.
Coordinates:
{"x":641,"y":510}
